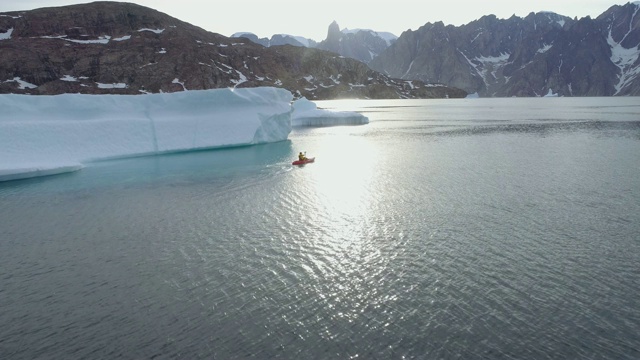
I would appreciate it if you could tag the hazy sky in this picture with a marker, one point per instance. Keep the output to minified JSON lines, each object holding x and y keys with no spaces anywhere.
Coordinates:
{"x":311,"y":19}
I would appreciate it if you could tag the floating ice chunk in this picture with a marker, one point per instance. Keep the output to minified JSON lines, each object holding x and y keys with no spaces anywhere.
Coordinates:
{"x":43,"y":135}
{"x":306,"y":113}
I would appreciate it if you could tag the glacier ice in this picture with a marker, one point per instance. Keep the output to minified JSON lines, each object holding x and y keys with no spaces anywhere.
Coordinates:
{"x":43,"y":135}
{"x":46,"y":135}
{"x":306,"y":113}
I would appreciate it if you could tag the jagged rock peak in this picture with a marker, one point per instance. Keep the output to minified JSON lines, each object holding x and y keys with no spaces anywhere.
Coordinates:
{"x":334,"y":31}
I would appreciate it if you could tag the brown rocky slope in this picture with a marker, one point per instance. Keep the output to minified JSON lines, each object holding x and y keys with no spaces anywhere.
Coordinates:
{"x":123,"y":48}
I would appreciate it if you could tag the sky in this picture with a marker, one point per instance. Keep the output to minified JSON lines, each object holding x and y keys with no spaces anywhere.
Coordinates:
{"x":311,"y":19}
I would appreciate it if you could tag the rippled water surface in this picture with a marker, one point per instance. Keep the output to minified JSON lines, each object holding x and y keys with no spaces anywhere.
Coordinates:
{"x":457,"y":229}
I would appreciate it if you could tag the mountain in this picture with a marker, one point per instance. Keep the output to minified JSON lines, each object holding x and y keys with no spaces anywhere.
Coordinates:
{"x":360,"y":44}
{"x":543,"y":53}
{"x":277,"y":39}
{"x":123,"y":48}
{"x":363,"y":45}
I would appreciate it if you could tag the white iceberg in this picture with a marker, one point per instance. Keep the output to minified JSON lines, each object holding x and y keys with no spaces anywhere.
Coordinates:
{"x":44,"y":135}
{"x":306,"y":113}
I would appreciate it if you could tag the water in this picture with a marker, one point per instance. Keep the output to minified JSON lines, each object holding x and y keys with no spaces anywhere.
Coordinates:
{"x":457,"y":229}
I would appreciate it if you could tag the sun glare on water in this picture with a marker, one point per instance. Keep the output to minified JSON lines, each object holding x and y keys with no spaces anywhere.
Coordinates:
{"x":342,"y":176}
{"x":347,"y":190}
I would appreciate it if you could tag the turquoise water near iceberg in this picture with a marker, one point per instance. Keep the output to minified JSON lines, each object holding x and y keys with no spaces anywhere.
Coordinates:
{"x":484,"y":228}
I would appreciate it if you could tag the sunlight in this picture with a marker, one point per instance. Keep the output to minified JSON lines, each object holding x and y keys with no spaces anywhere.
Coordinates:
{"x":342,"y":180}
{"x":348,"y":189}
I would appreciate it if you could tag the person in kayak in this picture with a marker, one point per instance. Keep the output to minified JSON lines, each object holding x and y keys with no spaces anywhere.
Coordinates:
{"x":302,"y":157}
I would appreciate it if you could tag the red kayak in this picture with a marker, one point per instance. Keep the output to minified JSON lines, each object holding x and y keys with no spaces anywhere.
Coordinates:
{"x":302,"y":162}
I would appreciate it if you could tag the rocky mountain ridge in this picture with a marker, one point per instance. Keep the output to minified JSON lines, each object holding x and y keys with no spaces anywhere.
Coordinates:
{"x":363,"y":45}
{"x":123,"y":48}
{"x":360,"y":44}
{"x":277,"y":39}
{"x":543,"y":53}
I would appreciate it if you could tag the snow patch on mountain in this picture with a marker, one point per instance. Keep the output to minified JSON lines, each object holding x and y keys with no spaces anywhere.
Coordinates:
{"x":626,"y":59}
{"x":6,"y":35}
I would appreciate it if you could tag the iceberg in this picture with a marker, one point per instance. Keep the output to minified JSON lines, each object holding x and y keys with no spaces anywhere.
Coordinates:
{"x":45,"y":135}
{"x":306,"y":113}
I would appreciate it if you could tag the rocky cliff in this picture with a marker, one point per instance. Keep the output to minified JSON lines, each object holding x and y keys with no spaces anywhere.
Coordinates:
{"x":360,"y":44}
{"x":363,"y":45}
{"x":123,"y":48}
{"x":543,"y":53}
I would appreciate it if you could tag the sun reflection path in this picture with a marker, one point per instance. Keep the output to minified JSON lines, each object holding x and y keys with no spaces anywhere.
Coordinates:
{"x":343,"y":180}
{"x":347,"y":188}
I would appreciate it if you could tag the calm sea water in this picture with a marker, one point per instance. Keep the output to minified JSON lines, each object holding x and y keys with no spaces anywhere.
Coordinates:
{"x":444,"y":229}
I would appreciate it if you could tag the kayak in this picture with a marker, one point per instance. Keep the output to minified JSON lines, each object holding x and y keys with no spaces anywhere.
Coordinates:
{"x":302,"y":162}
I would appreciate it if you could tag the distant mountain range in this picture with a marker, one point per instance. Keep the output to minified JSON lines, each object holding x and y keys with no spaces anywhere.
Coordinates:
{"x":123,"y":48}
{"x":359,"y":44}
{"x":541,"y":54}
{"x":277,"y":39}
{"x":111,"y":47}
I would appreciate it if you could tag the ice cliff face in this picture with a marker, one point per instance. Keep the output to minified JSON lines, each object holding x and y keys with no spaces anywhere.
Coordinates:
{"x":41,"y":135}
